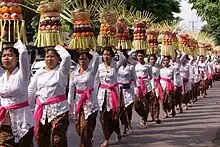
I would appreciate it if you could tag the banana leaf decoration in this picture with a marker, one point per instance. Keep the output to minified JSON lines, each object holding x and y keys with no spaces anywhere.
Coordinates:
{"x":168,"y":38}
{"x":12,"y":24}
{"x":141,"y":21}
{"x":83,"y":38}
{"x":108,"y":17}
{"x":49,"y":31}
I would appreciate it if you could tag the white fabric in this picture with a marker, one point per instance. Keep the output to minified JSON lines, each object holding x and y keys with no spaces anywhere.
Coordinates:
{"x":108,"y":77}
{"x":126,"y":74}
{"x":167,"y":72}
{"x":14,"y":90}
{"x":185,"y":73}
{"x":145,"y":70}
{"x":203,"y":67}
{"x":81,"y":82}
{"x":156,"y":74}
{"x":47,"y":84}
{"x":176,"y":67}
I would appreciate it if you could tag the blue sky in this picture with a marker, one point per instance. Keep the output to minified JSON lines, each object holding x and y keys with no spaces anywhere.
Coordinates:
{"x":189,"y":15}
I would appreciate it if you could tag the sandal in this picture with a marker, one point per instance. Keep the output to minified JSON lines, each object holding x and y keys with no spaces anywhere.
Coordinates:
{"x":143,"y":124}
{"x":105,"y":144}
{"x":118,"y":138}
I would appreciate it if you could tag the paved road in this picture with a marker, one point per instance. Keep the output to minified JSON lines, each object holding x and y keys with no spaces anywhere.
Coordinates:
{"x":197,"y":127}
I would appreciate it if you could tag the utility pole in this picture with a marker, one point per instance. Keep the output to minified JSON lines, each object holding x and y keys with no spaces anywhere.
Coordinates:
{"x":193,"y":24}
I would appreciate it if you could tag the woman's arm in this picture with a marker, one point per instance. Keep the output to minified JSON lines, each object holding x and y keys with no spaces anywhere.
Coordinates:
{"x":134,"y":76}
{"x":71,"y":92}
{"x":191,"y":60}
{"x":94,"y":62}
{"x":183,"y":54}
{"x":24,"y":61}
{"x":66,"y":59}
{"x":32,"y":87}
{"x":121,"y":60}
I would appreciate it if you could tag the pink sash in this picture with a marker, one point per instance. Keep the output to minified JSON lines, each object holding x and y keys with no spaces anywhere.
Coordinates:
{"x":85,"y":94}
{"x":169,"y":84}
{"x":15,"y":106}
{"x":159,"y":87}
{"x":183,"y":85}
{"x":39,"y":110}
{"x":142,"y":85}
{"x":114,"y":96}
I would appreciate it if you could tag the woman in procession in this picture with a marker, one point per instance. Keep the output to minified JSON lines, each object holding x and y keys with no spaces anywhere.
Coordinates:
{"x":16,"y":118}
{"x":203,"y":70}
{"x":82,"y":98}
{"x":143,"y":94}
{"x":157,"y":94}
{"x":175,"y":63}
{"x":48,"y":87}
{"x":108,"y":94}
{"x":168,"y":83}
{"x":186,"y":80}
{"x":127,"y":81}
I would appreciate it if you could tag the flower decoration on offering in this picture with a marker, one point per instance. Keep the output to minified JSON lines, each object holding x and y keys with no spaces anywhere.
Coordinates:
{"x":108,"y":18}
{"x":205,"y":43}
{"x":11,"y":21}
{"x":184,"y":40}
{"x":107,"y":34}
{"x":49,"y":32}
{"x":83,"y":36}
{"x":122,"y":27}
{"x":168,"y":38}
{"x":141,"y":20}
{"x":152,"y":35}
{"x":188,"y":42}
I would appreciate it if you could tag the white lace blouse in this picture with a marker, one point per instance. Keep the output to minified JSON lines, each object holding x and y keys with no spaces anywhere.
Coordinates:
{"x":127,"y":75}
{"x":107,"y":77}
{"x":145,"y":71}
{"x":82,"y":82}
{"x":14,"y":90}
{"x":47,"y":84}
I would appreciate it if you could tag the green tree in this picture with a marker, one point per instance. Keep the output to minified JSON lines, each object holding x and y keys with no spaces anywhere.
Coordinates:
{"x":163,"y":9}
{"x":209,"y":10}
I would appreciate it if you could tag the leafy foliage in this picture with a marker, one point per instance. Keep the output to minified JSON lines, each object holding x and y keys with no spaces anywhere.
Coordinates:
{"x":209,"y":10}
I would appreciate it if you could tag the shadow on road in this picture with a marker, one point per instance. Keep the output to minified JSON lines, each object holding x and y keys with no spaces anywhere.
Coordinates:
{"x":195,"y":127}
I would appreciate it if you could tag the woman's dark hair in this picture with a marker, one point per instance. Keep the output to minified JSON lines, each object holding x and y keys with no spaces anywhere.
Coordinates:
{"x":9,"y":45}
{"x":125,"y":54}
{"x":141,"y":52}
{"x":169,"y":57}
{"x":88,"y":55}
{"x":51,"y":48}
{"x":187,"y":57}
{"x":201,"y":56}
{"x":152,"y":55}
{"x":13,"y":49}
{"x":110,"y":50}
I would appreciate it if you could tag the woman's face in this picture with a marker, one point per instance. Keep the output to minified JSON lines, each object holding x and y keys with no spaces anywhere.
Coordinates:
{"x":166,"y":61}
{"x":83,"y":60}
{"x":152,"y":60}
{"x":140,"y":57}
{"x":107,"y":56}
{"x":51,"y":59}
{"x":174,"y":58}
{"x":201,"y":59}
{"x":9,"y":59}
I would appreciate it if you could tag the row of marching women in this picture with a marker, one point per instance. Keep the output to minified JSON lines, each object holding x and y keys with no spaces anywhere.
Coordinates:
{"x":109,"y":87}
{"x":111,"y":84}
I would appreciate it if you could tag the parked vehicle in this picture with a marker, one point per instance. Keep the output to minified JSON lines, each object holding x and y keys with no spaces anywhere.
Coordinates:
{"x":39,"y":63}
